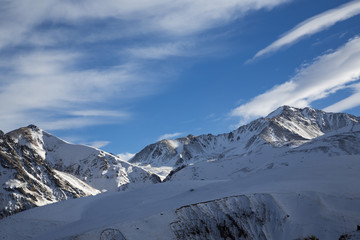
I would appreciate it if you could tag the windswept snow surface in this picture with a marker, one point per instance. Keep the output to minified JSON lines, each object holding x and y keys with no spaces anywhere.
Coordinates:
{"x":305,"y":196}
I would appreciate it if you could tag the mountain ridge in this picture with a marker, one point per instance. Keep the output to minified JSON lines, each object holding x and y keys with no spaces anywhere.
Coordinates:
{"x":38,"y":168}
{"x":290,"y":175}
{"x":284,"y":126}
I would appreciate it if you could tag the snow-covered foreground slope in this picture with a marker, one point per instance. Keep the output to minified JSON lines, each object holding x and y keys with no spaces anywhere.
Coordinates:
{"x":37,"y":168}
{"x":297,"y":197}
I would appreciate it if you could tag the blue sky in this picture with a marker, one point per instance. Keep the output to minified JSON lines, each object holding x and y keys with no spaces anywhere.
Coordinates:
{"x":120,"y":75}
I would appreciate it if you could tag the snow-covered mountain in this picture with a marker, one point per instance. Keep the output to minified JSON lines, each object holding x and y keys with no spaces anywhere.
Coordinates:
{"x":38,"y":168}
{"x":291,"y":175}
{"x":286,"y":126}
{"x":307,"y":197}
{"x":99,"y":169}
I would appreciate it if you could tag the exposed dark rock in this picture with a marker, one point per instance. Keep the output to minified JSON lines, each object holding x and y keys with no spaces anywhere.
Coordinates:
{"x":238,"y":217}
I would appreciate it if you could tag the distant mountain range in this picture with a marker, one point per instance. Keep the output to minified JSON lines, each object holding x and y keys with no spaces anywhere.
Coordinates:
{"x":285,"y":129}
{"x":290,"y":175}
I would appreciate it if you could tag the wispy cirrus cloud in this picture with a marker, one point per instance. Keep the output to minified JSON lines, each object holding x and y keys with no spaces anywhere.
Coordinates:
{"x":169,"y":136}
{"x":347,"y":103}
{"x":177,"y":18}
{"x":90,"y":112}
{"x":44,"y":88}
{"x":99,"y":144}
{"x":47,"y":71}
{"x":163,"y":51}
{"x":76,"y":139}
{"x":326,"y":75}
{"x":126,"y":156}
{"x":313,"y":25}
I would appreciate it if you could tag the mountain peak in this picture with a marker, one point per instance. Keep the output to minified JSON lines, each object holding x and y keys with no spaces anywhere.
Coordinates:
{"x":34,"y":127}
{"x":279,"y":111}
{"x":288,"y":110}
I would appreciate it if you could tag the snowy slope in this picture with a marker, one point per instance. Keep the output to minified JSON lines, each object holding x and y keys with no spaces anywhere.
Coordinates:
{"x":291,"y":175}
{"x":285,"y":126}
{"x":307,"y":197}
{"x":99,"y":169}
{"x":38,"y":168}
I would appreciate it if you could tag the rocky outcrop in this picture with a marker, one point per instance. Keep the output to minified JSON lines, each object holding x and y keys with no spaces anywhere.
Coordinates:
{"x":38,"y":168}
{"x":254,"y":217}
{"x":27,"y":180}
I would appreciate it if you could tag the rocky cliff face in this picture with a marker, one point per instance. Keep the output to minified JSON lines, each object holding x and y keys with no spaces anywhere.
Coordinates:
{"x":27,"y":180}
{"x":254,"y":217}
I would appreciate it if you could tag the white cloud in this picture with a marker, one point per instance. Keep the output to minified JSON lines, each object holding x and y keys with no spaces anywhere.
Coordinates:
{"x":313,"y":25}
{"x":76,"y":139}
{"x":178,"y":17}
{"x":170,"y":135}
{"x":13,"y":27}
{"x":99,"y":144}
{"x":42,"y":79}
{"x":43,"y":88}
{"x":58,"y":123}
{"x":161,"y":51}
{"x":126,"y":156}
{"x":101,"y":113}
{"x":189,"y":16}
{"x":326,"y":75}
{"x":350,"y":102}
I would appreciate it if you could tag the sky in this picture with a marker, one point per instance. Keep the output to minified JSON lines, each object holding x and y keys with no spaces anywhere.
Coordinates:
{"x":119,"y":75}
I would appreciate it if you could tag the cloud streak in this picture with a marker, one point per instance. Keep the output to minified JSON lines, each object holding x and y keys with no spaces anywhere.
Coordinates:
{"x":42,"y":87}
{"x":176,"y":18}
{"x":161,"y":51}
{"x":126,"y":156}
{"x":347,"y":103}
{"x":99,"y":144}
{"x":47,"y":74}
{"x":326,"y":75}
{"x":169,"y":136}
{"x":313,"y":25}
